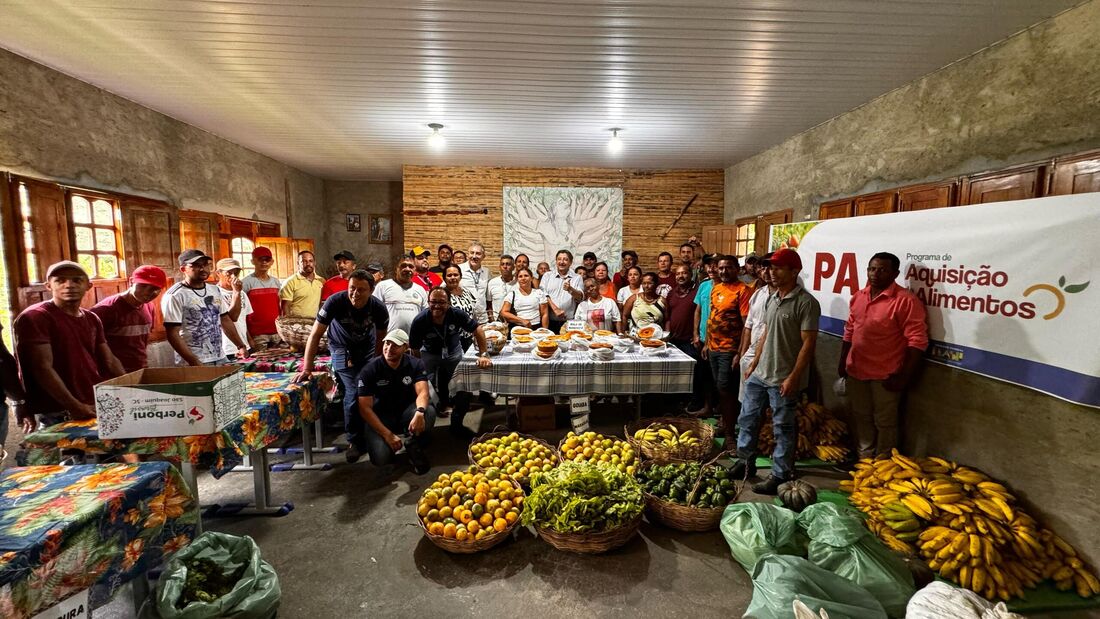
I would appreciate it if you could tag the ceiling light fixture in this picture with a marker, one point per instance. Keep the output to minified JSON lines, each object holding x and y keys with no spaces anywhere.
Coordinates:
{"x":436,"y":139}
{"x":615,"y":144}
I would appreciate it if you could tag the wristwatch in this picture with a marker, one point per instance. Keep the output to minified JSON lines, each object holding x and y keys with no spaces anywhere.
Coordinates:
{"x":421,"y":409}
{"x":483,"y":353}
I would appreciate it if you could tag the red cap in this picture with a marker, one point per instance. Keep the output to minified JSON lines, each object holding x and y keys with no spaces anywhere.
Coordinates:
{"x":261,"y":252}
{"x":786,"y":258}
{"x":154,"y":276}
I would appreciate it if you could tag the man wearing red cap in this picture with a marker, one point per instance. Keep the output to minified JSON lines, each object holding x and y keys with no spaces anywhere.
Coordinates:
{"x":263,"y":294}
{"x":128,"y":316}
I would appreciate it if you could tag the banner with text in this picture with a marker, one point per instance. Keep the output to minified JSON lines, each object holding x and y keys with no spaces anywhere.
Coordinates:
{"x":1007,"y":285}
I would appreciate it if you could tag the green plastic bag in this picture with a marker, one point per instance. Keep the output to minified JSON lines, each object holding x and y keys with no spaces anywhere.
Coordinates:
{"x":255,"y":596}
{"x":753,"y":530}
{"x":779,"y":580}
{"x":841,"y":544}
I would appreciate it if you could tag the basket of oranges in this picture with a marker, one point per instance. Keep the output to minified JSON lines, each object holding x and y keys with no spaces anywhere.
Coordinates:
{"x":469,"y":511}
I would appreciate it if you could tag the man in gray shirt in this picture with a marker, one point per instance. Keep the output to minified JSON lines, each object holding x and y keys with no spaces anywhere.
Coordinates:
{"x":779,"y":372}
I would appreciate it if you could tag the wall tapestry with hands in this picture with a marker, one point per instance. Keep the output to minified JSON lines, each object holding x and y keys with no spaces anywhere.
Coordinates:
{"x":538,"y":221}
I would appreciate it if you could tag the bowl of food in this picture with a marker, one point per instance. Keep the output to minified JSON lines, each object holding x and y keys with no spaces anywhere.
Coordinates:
{"x":523,"y":343}
{"x":649,"y":332}
{"x":604,"y":333}
{"x":579,"y":342}
{"x":654,"y":347}
{"x":562,"y":341}
{"x":546,"y":349}
{"x":520,"y":331}
{"x":601,"y":351}
{"x":538,"y":334}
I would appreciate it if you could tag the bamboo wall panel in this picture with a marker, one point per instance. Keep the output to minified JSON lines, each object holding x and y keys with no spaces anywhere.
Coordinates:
{"x":457,"y":205}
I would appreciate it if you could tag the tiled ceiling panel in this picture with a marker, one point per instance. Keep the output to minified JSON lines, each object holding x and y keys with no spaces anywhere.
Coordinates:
{"x":345,"y":88}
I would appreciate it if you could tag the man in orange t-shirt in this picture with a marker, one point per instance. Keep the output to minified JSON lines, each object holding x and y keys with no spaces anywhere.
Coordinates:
{"x":729,"y":306}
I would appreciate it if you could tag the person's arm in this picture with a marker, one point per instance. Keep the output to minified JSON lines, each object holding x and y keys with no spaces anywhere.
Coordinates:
{"x":576,"y":293}
{"x":842,"y":365}
{"x":13,"y":389}
{"x":805,"y":357}
{"x":109,"y":360}
{"x":506,"y":312}
{"x":235,"y":303}
{"x":482,"y":348}
{"x":695,"y":327}
{"x":416,"y":426}
{"x":49,"y":381}
{"x":284,"y":307}
{"x":757,"y":354}
{"x":175,"y":340}
{"x":544,"y":315}
{"x":554,"y":309}
{"x":312,"y":344}
{"x":624,"y":321}
{"x":285,"y":296}
{"x":366,"y":411}
{"x":229,"y":328}
{"x":614,"y":317}
{"x":915,"y":329}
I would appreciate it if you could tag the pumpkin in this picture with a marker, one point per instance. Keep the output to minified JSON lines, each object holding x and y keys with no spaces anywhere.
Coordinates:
{"x":797,"y":495}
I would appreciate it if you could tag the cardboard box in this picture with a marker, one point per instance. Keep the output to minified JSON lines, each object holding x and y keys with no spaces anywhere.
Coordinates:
{"x":536,"y":414}
{"x":169,"y":401}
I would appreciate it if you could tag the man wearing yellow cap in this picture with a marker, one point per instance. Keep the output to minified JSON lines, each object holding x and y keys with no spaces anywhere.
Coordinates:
{"x":421,"y":275}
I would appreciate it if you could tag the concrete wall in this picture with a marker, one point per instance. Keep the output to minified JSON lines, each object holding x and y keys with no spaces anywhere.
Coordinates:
{"x":55,"y":127}
{"x":366,"y":198}
{"x":1031,"y":96}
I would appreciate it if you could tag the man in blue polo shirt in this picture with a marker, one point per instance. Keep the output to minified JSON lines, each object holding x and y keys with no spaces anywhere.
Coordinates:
{"x":393,"y":400}
{"x":356,"y":322}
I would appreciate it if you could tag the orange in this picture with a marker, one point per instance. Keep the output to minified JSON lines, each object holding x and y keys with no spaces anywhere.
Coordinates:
{"x":480,"y":498}
{"x":423,"y":509}
{"x":466,"y":517}
{"x":511,"y":517}
{"x":499,"y":512}
{"x":492,"y":505}
{"x":461,"y":535}
{"x":455,"y":500}
{"x":445,"y":512}
{"x":449,"y":531}
{"x":506,"y":505}
{"x":441,"y":503}
{"x":499,"y":524}
{"x":436,"y":528}
{"x":473,"y":527}
{"x":486,"y":520}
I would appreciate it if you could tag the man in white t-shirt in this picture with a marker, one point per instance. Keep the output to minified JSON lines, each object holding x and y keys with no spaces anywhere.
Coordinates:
{"x":195,"y":315}
{"x":476,"y":280}
{"x":229,"y":282}
{"x":500,"y":288}
{"x":564,"y":288}
{"x":403,"y":299}
{"x":754,"y":323}
{"x":597,"y":311}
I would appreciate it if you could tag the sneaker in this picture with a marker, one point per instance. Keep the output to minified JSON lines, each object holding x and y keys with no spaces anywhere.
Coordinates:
{"x":417,"y":459}
{"x":462,"y":433}
{"x":353,"y":454}
{"x":742,"y":470}
{"x":696,"y":410}
{"x":769,"y":486}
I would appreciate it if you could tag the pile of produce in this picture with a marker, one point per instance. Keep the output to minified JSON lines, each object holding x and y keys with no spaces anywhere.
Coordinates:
{"x":598,"y":449}
{"x":206,"y":581}
{"x":582,"y":498}
{"x":667,"y":435}
{"x":820,"y":434}
{"x":514,"y":455}
{"x":966,"y":525}
{"x":468,"y":505}
{"x":677,"y":483}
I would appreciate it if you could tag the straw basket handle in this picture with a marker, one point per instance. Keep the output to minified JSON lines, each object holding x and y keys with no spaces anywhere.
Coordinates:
{"x":702,"y":470}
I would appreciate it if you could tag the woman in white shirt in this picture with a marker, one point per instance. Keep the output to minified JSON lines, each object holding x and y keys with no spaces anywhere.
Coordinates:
{"x":598,"y":312}
{"x":633,"y":286}
{"x":527,"y":305}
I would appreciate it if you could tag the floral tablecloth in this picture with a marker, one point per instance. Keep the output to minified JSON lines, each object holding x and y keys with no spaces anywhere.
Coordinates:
{"x":64,"y":529}
{"x":275,"y":407}
{"x":286,"y":362}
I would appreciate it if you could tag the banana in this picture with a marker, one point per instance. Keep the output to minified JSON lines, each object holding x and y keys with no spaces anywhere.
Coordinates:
{"x":904,"y":462}
{"x":919,"y":506}
{"x":978,"y":579}
{"x":1063,"y":546}
{"x":1004,"y":507}
{"x":1090,"y":580}
{"x":975,"y":546}
{"x":904,"y":525}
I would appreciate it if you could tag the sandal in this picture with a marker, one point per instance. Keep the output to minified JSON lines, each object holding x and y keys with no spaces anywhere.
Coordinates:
{"x":443,"y":414}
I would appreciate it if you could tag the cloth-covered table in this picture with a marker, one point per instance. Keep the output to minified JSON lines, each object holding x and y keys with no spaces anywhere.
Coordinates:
{"x":64,"y":529}
{"x":276,"y":406}
{"x":576,"y":373}
{"x":283,"y":362}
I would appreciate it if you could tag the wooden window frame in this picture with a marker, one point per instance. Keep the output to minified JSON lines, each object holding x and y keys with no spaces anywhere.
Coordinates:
{"x":119,"y":252}
{"x":749,"y":241}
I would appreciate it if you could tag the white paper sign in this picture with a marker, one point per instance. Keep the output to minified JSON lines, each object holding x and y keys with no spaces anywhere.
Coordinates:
{"x":578,"y":413}
{"x":72,"y":607}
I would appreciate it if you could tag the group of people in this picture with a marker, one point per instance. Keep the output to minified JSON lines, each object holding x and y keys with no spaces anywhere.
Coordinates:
{"x":395,"y":341}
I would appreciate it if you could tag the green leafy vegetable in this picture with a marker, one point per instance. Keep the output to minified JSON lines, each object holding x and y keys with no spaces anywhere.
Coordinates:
{"x":206,"y":581}
{"x":578,"y":497}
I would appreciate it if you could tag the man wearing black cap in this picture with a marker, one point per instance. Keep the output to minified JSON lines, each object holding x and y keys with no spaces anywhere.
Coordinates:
{"x":377,"y":271}
{"x":62,"y":351}
{"x":588,"y":261}
{"x":196,"y":315}
{"x":345,"y":264}
{"x":443,"y":256}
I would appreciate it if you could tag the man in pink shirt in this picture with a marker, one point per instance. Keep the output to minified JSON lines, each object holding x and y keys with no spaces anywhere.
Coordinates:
{"x":884,"y":340}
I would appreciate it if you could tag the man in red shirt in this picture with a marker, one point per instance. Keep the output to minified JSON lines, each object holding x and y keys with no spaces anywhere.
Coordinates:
{"x":345,"y":264}
{"x":127,"y":317}
{"x":884,"y":340}
{"x":421,"y":275}
{"x":666,"y":280}
{"x":61,"y":349}
{"x":263,"y":293}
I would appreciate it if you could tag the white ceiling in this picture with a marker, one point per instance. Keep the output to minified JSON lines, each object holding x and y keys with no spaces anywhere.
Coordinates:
{"x":345,"y":88}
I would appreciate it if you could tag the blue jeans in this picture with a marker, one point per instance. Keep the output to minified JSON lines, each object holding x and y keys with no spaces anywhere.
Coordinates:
{"x":757,"y":397}
{"x":725,"y":381}
{"x":379,"y":451}
{"x":348,"y":377}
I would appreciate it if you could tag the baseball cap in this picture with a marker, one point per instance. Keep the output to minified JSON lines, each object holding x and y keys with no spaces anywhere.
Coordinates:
{"x":228,"y":264}
{"x":786,"y":258}
{"x":589,"y":254}
{"x":344,"y":254}
{"x":148,"y":274}
{"x":374,"y":267}
{"x":418,"y":251}
{"x":397,"y":336}
{"x":261,"y":252}
{"x":766,"y":259}
{"x":64,"y":265}
{"x":444,"y":246}
{"x":191,"y":256}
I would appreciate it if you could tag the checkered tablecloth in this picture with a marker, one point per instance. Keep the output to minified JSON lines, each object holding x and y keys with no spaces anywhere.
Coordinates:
{"x":576,"y":373}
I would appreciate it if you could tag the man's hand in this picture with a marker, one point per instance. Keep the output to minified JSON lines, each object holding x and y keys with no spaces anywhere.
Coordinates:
{"x":527,"y":323}
{"x":896,"y":382}
{"x":735,"y":361}
{"x":842,"y":369}
{"x":242,"y":352}
{"x":789,"y":387}
{"x":394,"y":441}
{"x":416,"y":426}
{"x":703,"y":353}
{"x":484,"y":362}
{"x":697,"y":343}
{"x":236,"y":283}
{"x":84,"y":411}
{"x":25,"y":418}
{"x":752,"y":368}
{"x":303,"y":377}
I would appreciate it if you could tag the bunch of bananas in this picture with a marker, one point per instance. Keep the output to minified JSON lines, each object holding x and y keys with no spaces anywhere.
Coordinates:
{"x":820,"y":434}
{"x":667,"y":435}
{"x":967,"y":526}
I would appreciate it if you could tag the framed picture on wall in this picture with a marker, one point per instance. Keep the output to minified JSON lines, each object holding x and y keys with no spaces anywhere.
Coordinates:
{"x":380,"y":231}
{"x":354,"y":222}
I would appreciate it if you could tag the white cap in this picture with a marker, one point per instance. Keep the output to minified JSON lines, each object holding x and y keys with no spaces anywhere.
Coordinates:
{"x":397,"y":336}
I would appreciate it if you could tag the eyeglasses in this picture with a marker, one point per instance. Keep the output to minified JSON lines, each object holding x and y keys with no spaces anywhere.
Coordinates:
{"x":439,"y":303}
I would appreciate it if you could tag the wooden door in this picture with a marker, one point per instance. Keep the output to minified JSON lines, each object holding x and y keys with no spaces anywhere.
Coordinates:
{"x":45,"y":234}
{"x":202,"y":230}
{"x":875,"y":203}
{"x":923,"y":197}
{"x":835,"y":209}
{"x":764,"y":224}
{"x":157,"y":227}
{"x":1076,"y":175}
{"x":720,"y":239}
{"x":1019,"y":184}
{"x":285,"y":251}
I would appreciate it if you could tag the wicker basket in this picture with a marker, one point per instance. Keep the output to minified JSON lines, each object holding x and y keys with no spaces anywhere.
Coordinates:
{"x":526,"y":481}
{"x":295,"y":331}
{"x":683,"y":517}
{"x":591,"y":543}
{"x":663,"y":454}
{"x":562,"y":458}
{"x":466,"y":548}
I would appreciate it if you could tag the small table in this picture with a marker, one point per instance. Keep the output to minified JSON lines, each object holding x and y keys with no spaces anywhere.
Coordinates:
{"x":276,"y":406}
{"x":576,"y":373}
{"x":64,"y":529}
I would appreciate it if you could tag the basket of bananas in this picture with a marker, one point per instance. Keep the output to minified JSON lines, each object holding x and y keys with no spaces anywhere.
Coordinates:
{"x":670,"y":439}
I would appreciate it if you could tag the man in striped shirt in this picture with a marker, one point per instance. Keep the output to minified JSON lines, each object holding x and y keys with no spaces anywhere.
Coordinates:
{"x":127,"y":317}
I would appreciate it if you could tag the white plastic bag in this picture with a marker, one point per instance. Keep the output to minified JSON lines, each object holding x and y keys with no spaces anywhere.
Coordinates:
{"x":840,"y":387}
{"x":939,"y":600}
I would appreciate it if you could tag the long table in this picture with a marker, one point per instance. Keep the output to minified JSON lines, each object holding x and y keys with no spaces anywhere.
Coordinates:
{"x":276,"y":406}
{"x":64,"y":529}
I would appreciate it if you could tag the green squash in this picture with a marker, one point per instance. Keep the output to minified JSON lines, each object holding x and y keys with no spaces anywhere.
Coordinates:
{"x":796,"y":495}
